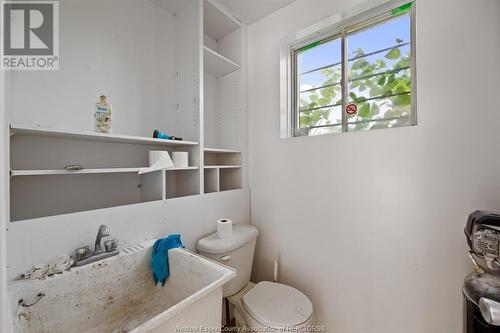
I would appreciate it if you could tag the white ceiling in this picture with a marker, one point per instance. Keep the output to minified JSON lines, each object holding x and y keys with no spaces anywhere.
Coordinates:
{"x":249,"y":11}
{"x":172,"y":6}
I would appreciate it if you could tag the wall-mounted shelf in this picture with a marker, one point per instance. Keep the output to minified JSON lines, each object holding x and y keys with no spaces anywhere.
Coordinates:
{"x":212,"y":180}
{"x":39,"y":184}
{"x":221,"y":151}
{"x":222,"y":158}
{"x":218,"y":23}
{"x":222,"y":178}
{"x":222,"y":169}
{"x":91,"y":136}
{"x":222,"y":166}
{"x":86,"y":171}
{"x":182,"y":169}
{"x":216,"y":64}
{"x":223,"y":90}
{"x":15,"y":173}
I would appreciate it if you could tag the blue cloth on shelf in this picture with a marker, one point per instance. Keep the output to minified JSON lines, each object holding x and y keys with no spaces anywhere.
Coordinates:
{"x":159,"y":257}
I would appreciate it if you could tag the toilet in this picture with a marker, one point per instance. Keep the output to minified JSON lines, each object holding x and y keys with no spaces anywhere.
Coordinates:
{"x":262,"y":307}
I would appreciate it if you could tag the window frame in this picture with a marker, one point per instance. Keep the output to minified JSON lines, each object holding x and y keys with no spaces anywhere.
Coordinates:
{"x":338,"y":26}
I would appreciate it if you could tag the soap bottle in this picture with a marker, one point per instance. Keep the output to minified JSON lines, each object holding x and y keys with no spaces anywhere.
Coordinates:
{"x":102,"y":116}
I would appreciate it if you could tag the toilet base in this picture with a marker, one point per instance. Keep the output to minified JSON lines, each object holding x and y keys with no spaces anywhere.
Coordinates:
{"x":245,"y":321}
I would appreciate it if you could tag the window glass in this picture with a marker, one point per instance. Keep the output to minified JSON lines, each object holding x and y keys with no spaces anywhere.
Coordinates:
{"x":377,"y":65}
{"x":379,"y":76}
{"x":319,"y":90}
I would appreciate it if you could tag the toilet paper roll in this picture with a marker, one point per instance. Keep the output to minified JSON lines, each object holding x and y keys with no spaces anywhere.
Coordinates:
{"x":224,"y":228}
{"x":158,"y":160}
{"x":181,"y":159}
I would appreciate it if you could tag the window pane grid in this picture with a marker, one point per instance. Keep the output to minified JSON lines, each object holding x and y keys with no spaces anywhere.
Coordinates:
{"x":320,"y":107}
{"x":391,"y":111}
{"x":397,"y":70}
{"x":320,"y":68}
{"x":321,"y":87}
{"x":378,"y":82}
{"x":377,"y":119}
{"x":323,"y":126}
{"x":358,"y":122}
{"x":380,"y":97}
{"x":397,"y":46}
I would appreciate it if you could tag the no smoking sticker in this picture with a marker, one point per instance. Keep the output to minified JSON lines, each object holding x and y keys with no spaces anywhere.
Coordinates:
{"x":351,"y":108}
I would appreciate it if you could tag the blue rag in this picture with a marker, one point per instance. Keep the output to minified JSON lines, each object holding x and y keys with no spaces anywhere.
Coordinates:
{"x":159,"y":257}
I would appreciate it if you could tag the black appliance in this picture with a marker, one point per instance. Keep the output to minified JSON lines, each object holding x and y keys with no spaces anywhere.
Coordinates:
{"x":482,"y":287}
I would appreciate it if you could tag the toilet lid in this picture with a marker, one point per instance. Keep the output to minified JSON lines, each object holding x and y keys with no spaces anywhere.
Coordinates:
{"x":277,"y":305}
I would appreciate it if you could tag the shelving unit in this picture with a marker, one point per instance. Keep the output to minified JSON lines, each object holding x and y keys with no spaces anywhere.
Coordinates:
{"x":217,"y":22}
{"x":222,"y":158}
{"x":216,"y":64}
{"x":230,"y":179}
{"x":212,"y":180}
{"x":40,"y":186}
{"x":92,"y":136}
{"x":221,"y":151}
{"x":222,"y":166}
{"x":224,"y":98}
{"x":222,"y":178}
{"x":207,"y":67}
{"x":15,"y":173}
{"x":181,"y":183}
{"x":222,"y":169}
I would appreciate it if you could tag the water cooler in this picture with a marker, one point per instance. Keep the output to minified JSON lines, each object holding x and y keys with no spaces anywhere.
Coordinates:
{"x":482,"y":287}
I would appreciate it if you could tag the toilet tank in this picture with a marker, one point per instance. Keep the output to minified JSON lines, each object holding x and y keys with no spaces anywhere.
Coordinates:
{"x":235,"y":251}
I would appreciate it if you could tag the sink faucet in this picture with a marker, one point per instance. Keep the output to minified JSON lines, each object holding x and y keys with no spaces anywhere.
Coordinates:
{"x":83,"y":255}
{"x":102,"y":232}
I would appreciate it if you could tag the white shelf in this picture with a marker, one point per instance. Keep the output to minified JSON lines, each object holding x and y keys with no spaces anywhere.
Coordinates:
{"x":91,"y":136}
{"x":68,"y":172}
{"x":218,"y":23}
{"x":220,"y":178}
{"x":221,"y":151}
{"x":85,"y":171}
{"x":182,"y":169}
{"x":222,"y":166}
{"x":216,"y":64}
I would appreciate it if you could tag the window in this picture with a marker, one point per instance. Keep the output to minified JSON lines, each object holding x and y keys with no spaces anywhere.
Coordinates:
{"x":357,"y":76}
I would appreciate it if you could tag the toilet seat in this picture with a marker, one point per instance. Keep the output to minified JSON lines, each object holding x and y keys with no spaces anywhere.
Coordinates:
{"x":277,"y":305}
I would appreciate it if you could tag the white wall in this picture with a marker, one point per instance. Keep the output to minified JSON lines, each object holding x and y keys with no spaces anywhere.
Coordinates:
{"x":126,"y":46}
{"x":122,"y":48}
{"x":4,"y":215}
{"x":370,"y":225}
{"x":39,"y":241}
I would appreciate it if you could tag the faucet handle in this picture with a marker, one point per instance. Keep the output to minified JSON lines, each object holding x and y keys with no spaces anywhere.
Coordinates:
{"x":103,"y":231}
{"x":111,"y":245}
{"x":82,"y":253}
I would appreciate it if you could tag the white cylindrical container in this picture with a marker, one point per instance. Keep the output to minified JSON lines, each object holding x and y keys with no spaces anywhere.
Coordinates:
{"x":181,"y":159}
{"x":156,"y":156}
{"x":158,"y":160}
{"x":224,"y":228}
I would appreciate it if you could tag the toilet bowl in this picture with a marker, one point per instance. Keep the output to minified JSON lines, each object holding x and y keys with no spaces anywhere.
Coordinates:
{"x":271,"y":307}
{"x":262,"y":307}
